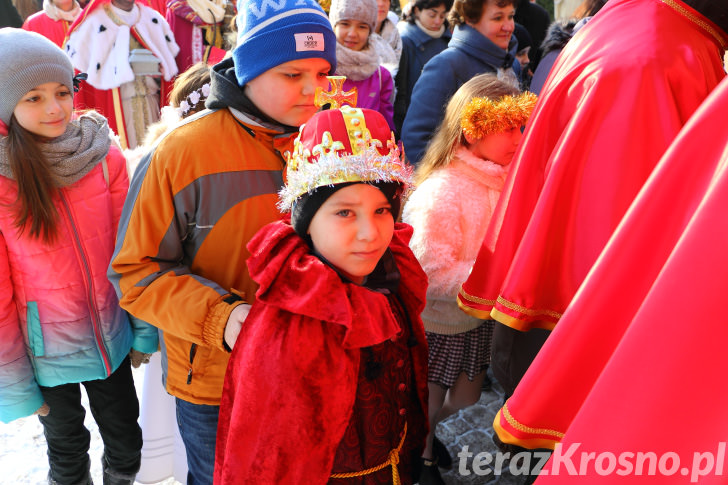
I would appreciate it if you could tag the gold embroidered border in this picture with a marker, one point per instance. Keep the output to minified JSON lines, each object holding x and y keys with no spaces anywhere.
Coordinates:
{"x":475,"y":299}
{"x":527,"y":429}
{"x":699,"y":22}
{"x":527,"y":311}
{"x":119,"y":114}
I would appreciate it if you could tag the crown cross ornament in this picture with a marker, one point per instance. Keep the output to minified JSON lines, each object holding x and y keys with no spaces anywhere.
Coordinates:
{"x":336,"y":97}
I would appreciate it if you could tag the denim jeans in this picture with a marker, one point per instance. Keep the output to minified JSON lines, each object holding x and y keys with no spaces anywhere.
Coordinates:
{"x":115,"y":408}
{"x":198,"y":427}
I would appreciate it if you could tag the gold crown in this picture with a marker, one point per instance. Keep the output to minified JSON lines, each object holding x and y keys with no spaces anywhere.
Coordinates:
{"x":329,"y":162}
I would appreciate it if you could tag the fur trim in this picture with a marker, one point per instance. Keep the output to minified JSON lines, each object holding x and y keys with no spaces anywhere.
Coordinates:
{"x":558,"y":34}
{"x":100,"y":47}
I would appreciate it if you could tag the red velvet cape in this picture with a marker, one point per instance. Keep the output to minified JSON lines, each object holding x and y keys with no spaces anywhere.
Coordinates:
{"x":616,"y":98}
{"x":291,"y":380}
{"x":648,"y":373}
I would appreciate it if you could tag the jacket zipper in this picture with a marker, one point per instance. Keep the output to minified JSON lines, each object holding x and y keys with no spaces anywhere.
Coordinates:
{"x":95,"y":318}
{"x":193,"y":351}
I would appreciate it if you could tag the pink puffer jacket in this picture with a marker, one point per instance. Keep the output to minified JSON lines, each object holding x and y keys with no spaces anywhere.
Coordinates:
{"x":60,"y":319}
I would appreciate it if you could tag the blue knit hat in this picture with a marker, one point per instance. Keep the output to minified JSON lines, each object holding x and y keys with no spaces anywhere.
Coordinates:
{"x":273,"y":32}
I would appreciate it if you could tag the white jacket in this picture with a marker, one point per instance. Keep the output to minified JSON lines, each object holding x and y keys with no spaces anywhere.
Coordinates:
{"x":450,"y":212}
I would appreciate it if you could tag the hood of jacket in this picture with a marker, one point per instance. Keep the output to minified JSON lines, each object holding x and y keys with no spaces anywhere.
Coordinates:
{"x":558,"y":34}
{"x":477,"y":45}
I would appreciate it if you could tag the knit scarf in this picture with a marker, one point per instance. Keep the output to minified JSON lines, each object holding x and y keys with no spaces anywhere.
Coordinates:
{"x":73,"y":154}
{"x":56,"y":13}
{"x":435,"y":34}
{"x":356,"y":65}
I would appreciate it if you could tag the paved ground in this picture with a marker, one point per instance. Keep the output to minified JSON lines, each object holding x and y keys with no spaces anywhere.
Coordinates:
{"x":472,"y":427}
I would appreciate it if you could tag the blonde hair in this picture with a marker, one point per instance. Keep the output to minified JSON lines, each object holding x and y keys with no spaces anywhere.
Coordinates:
{"x":449,"y":136}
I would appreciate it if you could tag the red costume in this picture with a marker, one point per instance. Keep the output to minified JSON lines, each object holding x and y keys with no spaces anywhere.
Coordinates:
{"x":614,"y":101}
{"x":54,"y":30}
{"x":298,"y":403}
{"x":646,"y":375}
{"x":108,"y":67}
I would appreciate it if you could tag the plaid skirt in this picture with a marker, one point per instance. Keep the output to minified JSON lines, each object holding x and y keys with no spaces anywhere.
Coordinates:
{"x":467,"y":352}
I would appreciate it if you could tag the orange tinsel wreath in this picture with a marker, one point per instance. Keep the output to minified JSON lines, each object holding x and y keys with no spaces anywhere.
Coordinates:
{"x":483,"y":116}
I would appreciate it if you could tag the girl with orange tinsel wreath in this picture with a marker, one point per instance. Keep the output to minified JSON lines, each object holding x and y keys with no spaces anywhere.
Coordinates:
{"x":459,"y":182}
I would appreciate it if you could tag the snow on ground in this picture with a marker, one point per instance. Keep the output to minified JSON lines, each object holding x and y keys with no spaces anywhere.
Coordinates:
{"x":23,"y":459}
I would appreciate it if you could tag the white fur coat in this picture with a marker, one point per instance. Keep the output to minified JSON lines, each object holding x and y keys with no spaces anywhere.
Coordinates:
{"x":450,"y":212}
{"x":100,"y":48}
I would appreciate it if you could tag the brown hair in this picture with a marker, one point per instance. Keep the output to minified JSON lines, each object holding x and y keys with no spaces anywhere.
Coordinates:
{"x":36,"y":184}
{"x":587,"y":8}
{"x":470,"y":11}
{"x":191,"y":80}
{"x":449,"y":136}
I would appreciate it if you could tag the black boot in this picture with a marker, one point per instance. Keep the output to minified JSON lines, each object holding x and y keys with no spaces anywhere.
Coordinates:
{"x":442,"y":456}
{"x":112,"y":477}
{"x":430,"y":474}
{"x":86,"y":481}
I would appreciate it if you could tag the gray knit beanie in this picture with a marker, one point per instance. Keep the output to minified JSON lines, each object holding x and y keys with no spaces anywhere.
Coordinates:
{"x":361,"y":10}
{"x":28,"y":60}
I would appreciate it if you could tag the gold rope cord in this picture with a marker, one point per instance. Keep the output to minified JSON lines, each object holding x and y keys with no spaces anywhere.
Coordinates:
{"x":392,"y":461}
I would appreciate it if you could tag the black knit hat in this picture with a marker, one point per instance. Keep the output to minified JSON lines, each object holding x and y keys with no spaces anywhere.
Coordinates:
{"x":307,"y":205}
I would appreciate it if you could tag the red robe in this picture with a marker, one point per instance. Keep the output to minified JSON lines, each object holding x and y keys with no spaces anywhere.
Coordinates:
{"x":54,"y":30}
{"x":647,"y":374}
{"x":108,"y":101}
{"x":291,"y":382}
{"x":616,"y":98}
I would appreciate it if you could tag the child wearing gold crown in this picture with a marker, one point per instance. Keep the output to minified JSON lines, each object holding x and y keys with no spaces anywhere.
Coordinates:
{"x":327,"y":382}
{"x":459,"y":182}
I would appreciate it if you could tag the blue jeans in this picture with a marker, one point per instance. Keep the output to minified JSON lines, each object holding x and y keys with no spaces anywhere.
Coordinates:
{"x":198,"y":427}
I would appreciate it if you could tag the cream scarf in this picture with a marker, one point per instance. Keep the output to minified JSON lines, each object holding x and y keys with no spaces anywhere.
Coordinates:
{"x":356,"y":65}
{"x":73,"y":154}
{"x":210,"y":11}
{"x":56,"y":13}
{"x":435,"y":34}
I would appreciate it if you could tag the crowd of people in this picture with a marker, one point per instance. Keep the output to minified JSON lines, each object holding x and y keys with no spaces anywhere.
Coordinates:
{"x":331,"y":220}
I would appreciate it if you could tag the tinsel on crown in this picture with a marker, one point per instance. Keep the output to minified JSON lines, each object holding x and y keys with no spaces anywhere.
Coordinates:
{"x":330,"y":162}
{"x":484,"y":116}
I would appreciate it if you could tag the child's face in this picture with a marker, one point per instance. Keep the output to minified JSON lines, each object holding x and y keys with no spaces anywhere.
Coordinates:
{"x":382,"y":10}
{"x":431,"y":18}
{"x":353,"y":229}
{"x":497,"y":23}
{"x":352,"y":34}
{"x":286,"y":92}
{"x":45,"y":110}
{"x":65,"y":5}
{"x":498,"y":148}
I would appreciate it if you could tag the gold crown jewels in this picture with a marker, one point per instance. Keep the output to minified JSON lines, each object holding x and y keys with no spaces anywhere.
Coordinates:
{"x":328,"y":163}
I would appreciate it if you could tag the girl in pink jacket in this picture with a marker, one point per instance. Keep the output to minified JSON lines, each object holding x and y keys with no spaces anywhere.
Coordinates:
{"x":459,"y":182}
{"x":62,"y":187}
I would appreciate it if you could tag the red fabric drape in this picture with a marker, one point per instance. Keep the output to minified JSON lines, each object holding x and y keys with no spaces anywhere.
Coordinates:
{"x":618,"y":95}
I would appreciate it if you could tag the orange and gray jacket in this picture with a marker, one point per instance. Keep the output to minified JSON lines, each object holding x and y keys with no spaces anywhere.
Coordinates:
{"x":196,"y":199}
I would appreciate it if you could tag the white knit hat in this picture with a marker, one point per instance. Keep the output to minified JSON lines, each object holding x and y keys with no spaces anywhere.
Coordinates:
{"x":361,"y":10}
{"x":28,"y":60}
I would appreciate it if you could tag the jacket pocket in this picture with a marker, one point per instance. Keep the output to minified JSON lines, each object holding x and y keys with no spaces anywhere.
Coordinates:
{"x":35,"y":334}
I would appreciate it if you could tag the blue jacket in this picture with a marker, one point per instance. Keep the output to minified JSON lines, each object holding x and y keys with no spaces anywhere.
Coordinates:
{"x":417,"y":49}
{"x":469,"y":53}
